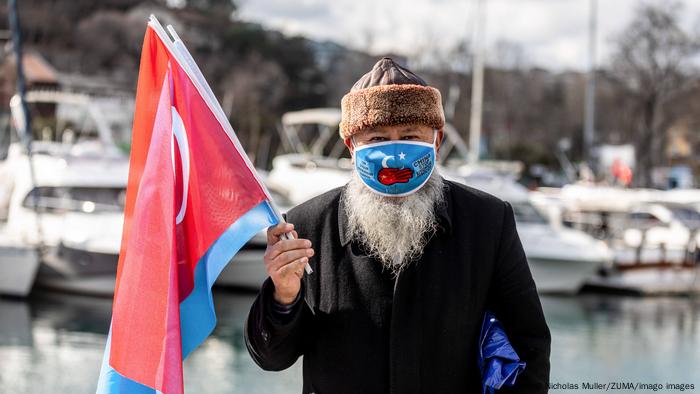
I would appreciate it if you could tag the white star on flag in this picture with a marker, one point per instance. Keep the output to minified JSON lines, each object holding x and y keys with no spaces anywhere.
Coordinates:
{"x":402,"y":156}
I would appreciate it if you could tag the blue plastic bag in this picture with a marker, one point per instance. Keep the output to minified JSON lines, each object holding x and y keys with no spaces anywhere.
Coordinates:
{"x":498,"y":362}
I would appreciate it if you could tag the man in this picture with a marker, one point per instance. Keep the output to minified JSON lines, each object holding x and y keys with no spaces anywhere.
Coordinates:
{"x":405,"y":264}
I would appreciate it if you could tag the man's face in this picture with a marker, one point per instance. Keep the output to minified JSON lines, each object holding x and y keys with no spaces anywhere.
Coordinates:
{"x":394,"y":229}
{"x":409,"y":132}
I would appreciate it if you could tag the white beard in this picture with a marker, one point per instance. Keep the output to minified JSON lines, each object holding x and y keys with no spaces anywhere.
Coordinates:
{"x":393,"y":229}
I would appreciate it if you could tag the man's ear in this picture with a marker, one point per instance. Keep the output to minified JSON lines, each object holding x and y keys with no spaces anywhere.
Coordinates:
{"x":438,"y":140}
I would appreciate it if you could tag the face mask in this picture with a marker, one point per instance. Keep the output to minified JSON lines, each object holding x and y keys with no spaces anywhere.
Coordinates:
{"x":395,"y":168}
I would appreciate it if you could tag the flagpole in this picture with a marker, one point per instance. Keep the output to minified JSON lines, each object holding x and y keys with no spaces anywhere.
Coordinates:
{"x":24,"y":127}
{"x":184,"y":58}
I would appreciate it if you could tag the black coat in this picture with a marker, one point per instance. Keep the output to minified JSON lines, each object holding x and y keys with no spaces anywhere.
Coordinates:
{"x":362,"y":332}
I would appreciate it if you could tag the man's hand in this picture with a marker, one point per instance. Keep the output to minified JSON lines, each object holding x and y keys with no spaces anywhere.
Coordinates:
{"x":285,"y":261}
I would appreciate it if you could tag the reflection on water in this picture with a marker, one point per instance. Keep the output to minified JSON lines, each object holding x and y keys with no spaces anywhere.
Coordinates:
{"x":603,"y":339}
{"x":54,"y":343}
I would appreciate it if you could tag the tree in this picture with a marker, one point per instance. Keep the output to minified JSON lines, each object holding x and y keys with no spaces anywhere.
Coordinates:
{"x":652,"y":65}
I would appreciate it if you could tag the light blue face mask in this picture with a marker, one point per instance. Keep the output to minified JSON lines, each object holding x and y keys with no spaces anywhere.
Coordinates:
{"x":395,"y":168}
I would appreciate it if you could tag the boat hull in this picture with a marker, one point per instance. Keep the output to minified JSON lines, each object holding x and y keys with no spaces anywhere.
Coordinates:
{"x":649,"y":281}
{"x":246,"y":271}
{"x":94,"y":274}
{"x":18,"y":269}
{"x":553,"y":276}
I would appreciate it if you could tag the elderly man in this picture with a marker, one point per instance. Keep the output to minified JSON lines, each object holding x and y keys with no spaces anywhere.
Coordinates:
{"x":405,"y":264}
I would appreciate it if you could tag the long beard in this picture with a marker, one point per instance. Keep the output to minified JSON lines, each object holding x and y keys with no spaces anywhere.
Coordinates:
{"x":394,"y":230}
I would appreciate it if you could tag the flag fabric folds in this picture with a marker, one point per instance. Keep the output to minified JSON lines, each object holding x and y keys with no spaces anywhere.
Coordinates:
{"x":193,"y":200}
{"x":498,"y":362}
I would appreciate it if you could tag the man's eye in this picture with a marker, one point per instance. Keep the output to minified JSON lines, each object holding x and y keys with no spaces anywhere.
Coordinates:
{"x":409,"y":137}
{"x":376,"y":139}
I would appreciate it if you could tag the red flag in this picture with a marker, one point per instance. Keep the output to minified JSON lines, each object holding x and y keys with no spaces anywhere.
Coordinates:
{"x":193,"y":199}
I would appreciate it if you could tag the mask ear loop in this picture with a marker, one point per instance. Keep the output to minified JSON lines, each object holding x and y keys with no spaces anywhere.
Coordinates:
{"x":354,"y":147}
{"x":435,"y":151}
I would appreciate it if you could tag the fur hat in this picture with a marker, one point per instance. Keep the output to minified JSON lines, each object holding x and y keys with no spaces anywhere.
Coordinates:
{"x":390,"y":95}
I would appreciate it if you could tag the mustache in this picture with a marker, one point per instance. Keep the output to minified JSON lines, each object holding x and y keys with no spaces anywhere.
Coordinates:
{"x":394,"y":230}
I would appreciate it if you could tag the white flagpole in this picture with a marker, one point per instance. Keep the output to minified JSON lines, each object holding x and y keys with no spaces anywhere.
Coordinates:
{"x":184,"y":58}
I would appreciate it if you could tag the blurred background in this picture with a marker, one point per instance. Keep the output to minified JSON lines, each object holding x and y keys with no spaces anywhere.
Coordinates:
{"x":584,"y":114}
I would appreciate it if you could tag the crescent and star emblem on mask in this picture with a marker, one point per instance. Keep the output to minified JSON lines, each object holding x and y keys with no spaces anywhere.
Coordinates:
{"x":390,"y":176}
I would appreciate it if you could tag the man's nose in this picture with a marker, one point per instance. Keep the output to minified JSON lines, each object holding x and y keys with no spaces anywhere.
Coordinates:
{"x":394,"y":135}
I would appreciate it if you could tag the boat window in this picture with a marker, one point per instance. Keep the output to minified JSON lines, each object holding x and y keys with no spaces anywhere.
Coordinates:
{"x":117,"y":115}
{"x":527,"y":213}
{"x":62,"y":122}
{"x":687,"y":215}
{"x":76,"y":199}
{"x":121,"y":134}
{"x":74,"y":119}
{"x":316,"y":139}
{"x":644,"y":218}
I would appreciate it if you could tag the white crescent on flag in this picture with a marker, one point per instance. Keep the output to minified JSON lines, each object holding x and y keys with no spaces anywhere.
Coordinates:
{"x":180,"y":135}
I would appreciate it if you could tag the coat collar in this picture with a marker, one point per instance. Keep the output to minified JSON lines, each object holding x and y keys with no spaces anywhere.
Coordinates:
{"x":443,"y":212}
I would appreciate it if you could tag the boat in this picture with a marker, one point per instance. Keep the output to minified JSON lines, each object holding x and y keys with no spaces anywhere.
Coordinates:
{"x":656,"y":253}
{"x":315,"y":159}
{"x":63,"y":203}
{"x":653,"y":235}
{"x":62,"y":217}
{"x":18,"y":267}
{"x":561,"y":259}
{"x":79,"y":191}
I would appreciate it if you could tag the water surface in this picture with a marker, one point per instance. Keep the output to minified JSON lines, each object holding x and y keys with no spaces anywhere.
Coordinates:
{"x":53,"y":343}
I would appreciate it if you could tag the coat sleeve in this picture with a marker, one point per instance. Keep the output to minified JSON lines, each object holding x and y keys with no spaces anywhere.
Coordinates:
{"x":515,"y":302}
{"x":274,"y":340}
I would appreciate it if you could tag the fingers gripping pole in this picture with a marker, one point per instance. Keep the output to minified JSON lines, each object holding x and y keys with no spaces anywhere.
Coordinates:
{"x":288,"y":236}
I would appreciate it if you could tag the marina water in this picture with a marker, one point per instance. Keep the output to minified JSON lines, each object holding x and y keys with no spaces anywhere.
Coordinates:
{"x":54,"y":343}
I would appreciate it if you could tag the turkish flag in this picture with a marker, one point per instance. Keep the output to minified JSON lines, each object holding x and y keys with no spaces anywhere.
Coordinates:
{"x":193,"y":199}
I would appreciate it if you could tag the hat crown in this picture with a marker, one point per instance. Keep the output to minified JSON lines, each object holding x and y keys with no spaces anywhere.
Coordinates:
{"x":387,"y":72}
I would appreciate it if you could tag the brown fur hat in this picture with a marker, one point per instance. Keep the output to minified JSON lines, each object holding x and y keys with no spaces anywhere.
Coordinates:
{"x":390,"y":95}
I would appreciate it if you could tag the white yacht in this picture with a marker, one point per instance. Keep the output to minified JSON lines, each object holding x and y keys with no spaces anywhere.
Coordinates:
{"x":79,"y":185}
{"x":316,"y":160}
{"x":654,"y":235}
{"x":61,"y":206}
{"x":656,"y":252}
{"x":560,"y":259}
